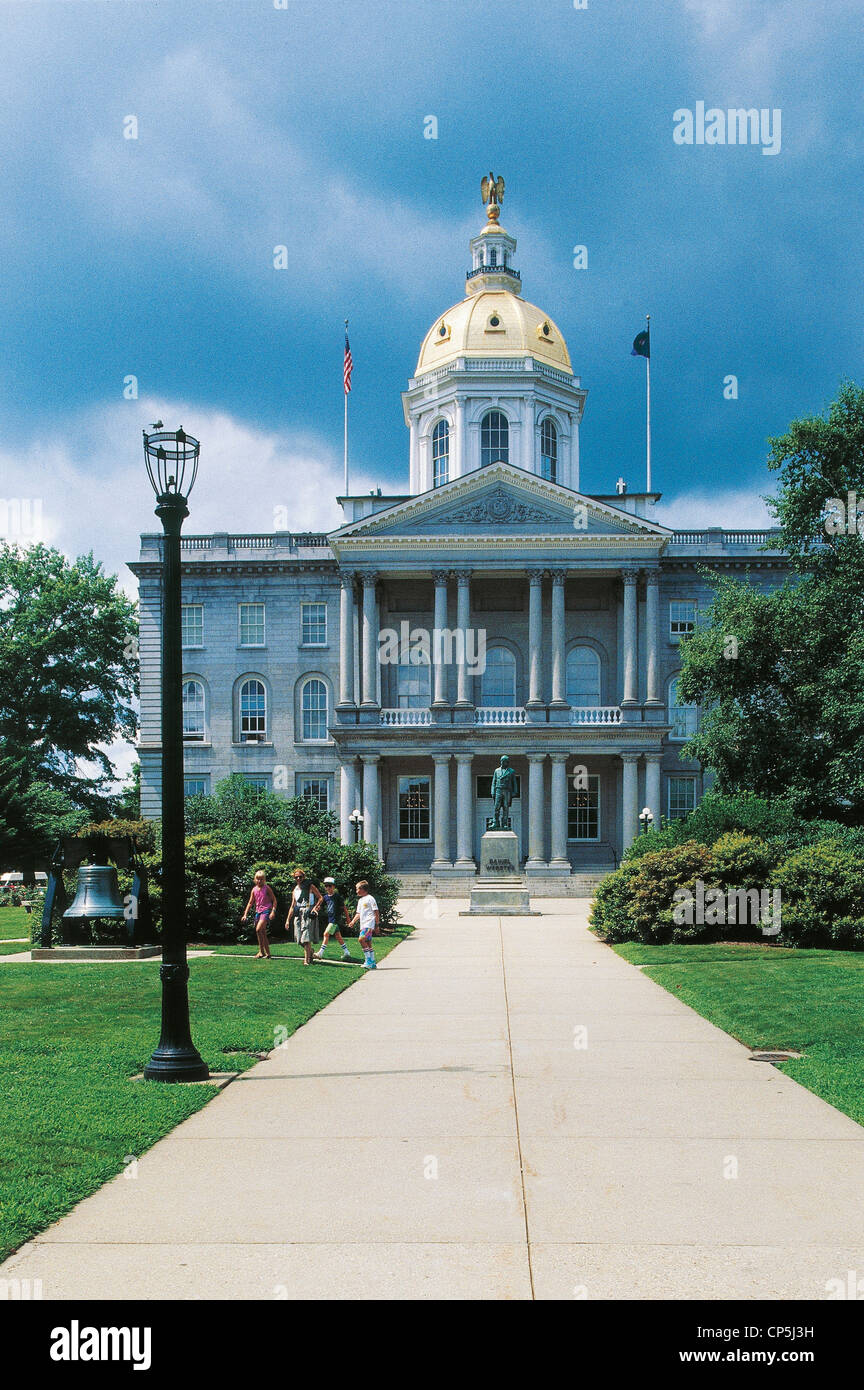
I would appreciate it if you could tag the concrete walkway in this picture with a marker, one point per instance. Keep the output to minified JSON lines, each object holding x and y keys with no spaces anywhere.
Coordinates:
{"x":439,"y":1131}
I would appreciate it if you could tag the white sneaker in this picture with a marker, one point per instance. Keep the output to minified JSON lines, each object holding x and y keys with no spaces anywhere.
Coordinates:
{"x":318,"y":955}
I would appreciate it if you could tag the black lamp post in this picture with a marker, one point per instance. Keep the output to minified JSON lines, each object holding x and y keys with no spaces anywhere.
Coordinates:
{"x":646,"y":820}
{"x":356,"y":820}
{"x":172,"y":463}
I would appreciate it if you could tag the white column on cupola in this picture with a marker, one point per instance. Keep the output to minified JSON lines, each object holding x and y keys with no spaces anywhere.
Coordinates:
{"x":458,"y":451}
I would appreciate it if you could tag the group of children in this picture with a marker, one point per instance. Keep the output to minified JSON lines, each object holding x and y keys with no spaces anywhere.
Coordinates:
{"x":307,"y":905}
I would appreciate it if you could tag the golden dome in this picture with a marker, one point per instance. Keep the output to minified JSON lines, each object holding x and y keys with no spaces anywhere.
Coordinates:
{"x":493,"y":323}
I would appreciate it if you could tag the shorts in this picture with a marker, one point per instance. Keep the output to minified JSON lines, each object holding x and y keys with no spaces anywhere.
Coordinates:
{"x":365,"y":936}
{"x":259,"y":915}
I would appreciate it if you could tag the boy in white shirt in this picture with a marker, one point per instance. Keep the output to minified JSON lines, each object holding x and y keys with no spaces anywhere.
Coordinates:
{"x":368,"y":916}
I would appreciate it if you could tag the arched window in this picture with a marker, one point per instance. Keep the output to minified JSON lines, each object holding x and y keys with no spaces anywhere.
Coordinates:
{"x":494,"y":256}
{"x":413,"y":685}
{"x":193,"y":711}
{"x":583,"y":677}
{"x":440,"y":453}
{"x":253,"y":712}
{"x":498,"y":682}
{"x":682,"y":717}
{"x":494,"y":438}
{"x":549,"y":449}
{"x":313,"y":706}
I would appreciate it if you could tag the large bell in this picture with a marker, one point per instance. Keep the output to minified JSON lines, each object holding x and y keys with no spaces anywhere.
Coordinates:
{"x":97,"y":894}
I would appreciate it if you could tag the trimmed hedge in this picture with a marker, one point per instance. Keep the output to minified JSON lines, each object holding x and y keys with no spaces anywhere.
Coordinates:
{"x":740,"y":843}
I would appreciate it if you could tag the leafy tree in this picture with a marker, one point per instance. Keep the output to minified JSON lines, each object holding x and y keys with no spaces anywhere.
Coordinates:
{"x":784,"y":702}
{"x":68,"y":667}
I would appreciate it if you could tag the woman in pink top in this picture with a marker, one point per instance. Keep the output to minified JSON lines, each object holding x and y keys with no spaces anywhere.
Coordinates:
{"x":264,"y":898}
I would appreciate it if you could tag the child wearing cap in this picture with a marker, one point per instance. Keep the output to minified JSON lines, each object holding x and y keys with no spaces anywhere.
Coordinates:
{"x":333,"y":906}
{"x":368,"y":916}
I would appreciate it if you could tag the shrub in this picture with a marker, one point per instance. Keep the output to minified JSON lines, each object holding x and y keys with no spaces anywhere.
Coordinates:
{"x":637,"y":902}
{"x":822,"y":893}
{"x":744,"y":861}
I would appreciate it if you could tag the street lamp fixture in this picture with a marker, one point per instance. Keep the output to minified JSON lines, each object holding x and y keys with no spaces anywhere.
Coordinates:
{"x":172,"y":464}
{"x":646,"y":820}
{"x":356,"y":820}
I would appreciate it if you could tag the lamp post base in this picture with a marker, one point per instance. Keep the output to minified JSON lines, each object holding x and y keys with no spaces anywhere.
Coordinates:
{"x":176,"y":1064}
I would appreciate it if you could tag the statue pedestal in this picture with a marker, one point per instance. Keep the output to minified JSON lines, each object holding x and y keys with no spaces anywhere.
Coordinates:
{"x":499,"y":854}
{"x":500,"y":889}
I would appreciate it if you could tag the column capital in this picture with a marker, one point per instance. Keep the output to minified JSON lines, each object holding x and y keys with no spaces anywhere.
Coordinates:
{"x":535,"y":575}
{"x":630,"y":576}
{"x":370,"y":759}
{"x":369,"y":577}
{"x":559,"y":757}
{"x":347,"y":576}
{"x":440,"y":576}
{"x":536,"y":757}
{"x":653,"y":757}
{"x":462,"y":576}
{"x":629,"y":757}
{"x":558,"y":577}
{"x":463,"y":758}
{"x":439,"y":759}
{"x":652,"y":576}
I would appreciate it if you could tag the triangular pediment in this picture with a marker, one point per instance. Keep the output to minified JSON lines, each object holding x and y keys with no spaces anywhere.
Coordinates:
{"x":500,"y":500}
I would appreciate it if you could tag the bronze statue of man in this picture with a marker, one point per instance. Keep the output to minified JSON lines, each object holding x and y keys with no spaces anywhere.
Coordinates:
{"x":503,"y":791}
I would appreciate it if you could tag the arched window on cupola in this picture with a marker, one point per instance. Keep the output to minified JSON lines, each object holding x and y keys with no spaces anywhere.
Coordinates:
{"x":440,"y":453}
{"x":494,"y":438}
{"x":494,"y":256}
{"x":549,"y":449}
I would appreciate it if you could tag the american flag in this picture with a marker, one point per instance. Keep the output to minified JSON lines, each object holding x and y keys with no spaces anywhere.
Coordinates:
{"x":348,"y":366}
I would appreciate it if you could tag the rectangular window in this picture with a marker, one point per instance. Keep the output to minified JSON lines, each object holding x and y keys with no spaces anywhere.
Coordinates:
{"x":682,"y":617}
{"x":259,"y":780}
{"x":313,"y":624}
{"x":192,"y":624}
{"x":316,"y":789}
{"x":583,"y":810}
{"x":682,"y":797}
{"x":251,"y":624}
{"x":196,"y":786}
{"x":414,"y":823}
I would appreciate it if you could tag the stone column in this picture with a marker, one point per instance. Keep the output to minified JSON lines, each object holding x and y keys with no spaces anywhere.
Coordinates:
{"x":559,"y":699}
{"x":652,"y":787}
{"x":370,"y":641}
{"x":463,"y":622}
{"x":652,"y":637}
{"x":346,"y":641}
{"x":440,"y":697}
{"x":629,"y":799}
{"x":536,"y":808}
{"x":347,"y":800}
{"x":535,"y":636}
{"x":371,"y":800}
{"x":459,"y":454}
{"x":464,"y":813}
{"x":558,"y":812}
{"x":630,"y":696}
{"x":442,"y":811}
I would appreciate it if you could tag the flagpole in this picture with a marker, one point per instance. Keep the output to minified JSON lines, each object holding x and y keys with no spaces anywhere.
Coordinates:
{"x":345,"y":394}
{"x":648,"y":408}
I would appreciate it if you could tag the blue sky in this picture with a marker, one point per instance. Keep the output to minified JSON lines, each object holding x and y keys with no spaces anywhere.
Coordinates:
{"x":303,"y":126}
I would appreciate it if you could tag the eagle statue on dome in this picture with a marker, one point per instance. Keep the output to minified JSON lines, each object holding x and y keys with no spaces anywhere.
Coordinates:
{"x":492,"y":191}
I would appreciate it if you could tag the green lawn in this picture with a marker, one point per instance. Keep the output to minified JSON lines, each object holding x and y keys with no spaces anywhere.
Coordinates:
{"x":14,"y":921}
{"x":807,"y":1001}
{"x":73,"y":1035}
